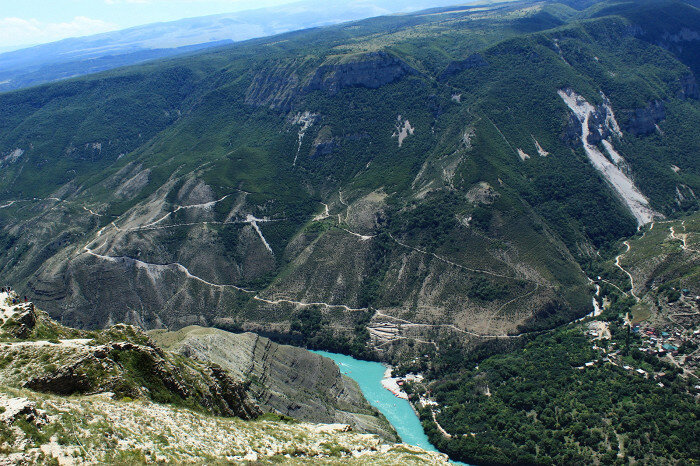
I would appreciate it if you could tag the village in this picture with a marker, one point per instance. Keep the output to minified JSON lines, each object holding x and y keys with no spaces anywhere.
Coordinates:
{"x":673,"y":344}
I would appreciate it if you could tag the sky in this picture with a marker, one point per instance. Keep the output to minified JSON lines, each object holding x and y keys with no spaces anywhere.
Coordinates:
{"x":30,"y":22}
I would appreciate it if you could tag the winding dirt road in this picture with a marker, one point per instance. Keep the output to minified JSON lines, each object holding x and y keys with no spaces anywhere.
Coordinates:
{"x":617,"y":264}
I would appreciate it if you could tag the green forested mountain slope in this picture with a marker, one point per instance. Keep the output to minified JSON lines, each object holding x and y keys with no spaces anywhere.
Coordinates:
{"x":377,"y":187}
{"x":618,"y":387}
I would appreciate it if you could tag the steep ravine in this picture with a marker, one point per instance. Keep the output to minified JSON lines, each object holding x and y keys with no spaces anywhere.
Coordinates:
{"x":636,"y":202}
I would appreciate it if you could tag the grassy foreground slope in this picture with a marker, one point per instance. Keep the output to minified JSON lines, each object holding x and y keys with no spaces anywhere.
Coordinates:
{"x":97,"y":430}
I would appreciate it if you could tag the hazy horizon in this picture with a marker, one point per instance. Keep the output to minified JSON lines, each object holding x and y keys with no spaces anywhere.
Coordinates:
{"x":37,"y":22}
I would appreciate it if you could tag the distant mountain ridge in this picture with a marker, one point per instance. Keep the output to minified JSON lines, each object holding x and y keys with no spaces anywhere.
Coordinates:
{"x":84,"y":55}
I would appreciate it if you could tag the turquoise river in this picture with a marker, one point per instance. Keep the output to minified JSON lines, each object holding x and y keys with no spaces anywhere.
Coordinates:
{"x":398,"y":411}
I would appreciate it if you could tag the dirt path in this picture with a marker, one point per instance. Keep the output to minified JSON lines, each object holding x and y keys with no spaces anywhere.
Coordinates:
{"x":403,"y":337}
{"x":686,"y":372}
{"x":682,"y":237}
{"x":617,"y":264}
{"x":155,"y":225}
{"x":204,"y":205}
{"x":362,"y":237}
{"x":153,"y":269}
{"x":439,"y":427}
{"x":34,"y":199}
{"x":91,"y":212}
{"x":498,"y":311}
{"x":615,"y":286}
{"x":71,"y":343}
{"x":408,"y":323}
{"x":324,"y":215}
{"x":454,"y":264}
{"x":304,"y":304}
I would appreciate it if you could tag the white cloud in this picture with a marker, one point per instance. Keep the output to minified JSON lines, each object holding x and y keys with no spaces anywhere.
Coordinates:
{"x":17,"y":31}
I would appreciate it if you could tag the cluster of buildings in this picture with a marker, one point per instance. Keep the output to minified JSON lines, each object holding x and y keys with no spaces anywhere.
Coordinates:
{"x":681,"y":346}
{"x":659,"y":342}
{"x":669,"y":342}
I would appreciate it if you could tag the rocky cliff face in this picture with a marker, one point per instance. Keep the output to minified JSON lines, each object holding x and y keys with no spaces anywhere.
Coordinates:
{"x":121,"y":360}
{"x":275,"y":86}
{"x":644,"y":121}
{"x":120,"y":367}
{"x":278,"y":85}
{"x":457,"y":66}
{"x":283,"y":379}
{"x":371,"y":70}
{"x":601,"y":124}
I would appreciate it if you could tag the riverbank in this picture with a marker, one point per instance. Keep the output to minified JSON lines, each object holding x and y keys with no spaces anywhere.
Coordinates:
{"x":392,"y":403}
{"x":393,"y":384}
{"x":385,"y":393}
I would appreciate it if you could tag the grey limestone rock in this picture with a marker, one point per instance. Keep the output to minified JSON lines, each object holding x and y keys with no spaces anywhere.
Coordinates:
{"x":284,"y":379}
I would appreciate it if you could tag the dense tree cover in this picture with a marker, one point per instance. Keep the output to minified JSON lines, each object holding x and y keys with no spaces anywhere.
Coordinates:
{"x":535,"y":405}
{"x":316,"y":332}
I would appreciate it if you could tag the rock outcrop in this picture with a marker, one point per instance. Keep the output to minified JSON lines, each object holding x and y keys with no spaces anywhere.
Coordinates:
{"x":25,"y":322}
{"x":17,"y":318}
{"x":37,"y":355}
{"x":601,"y":124}
{"x":13,"y":408}
{"x":371,"y":70}
{"x":277,"y":85}
{"x":457,"y":66}
{"x":283,"y":379}
{"x":274,"y":86}
{"x":643,"y":121}
{"x":145,"y":371}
